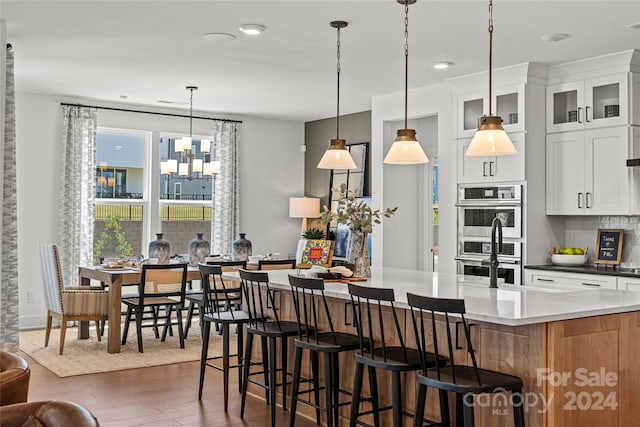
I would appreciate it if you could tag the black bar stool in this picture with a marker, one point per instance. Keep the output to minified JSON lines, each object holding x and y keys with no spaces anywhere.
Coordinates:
{"x":258,"y":297}
{"x":310,"y":304}
{"x":215,"y":291}
{"x":463,"y":380}
{"x":369,"y":311}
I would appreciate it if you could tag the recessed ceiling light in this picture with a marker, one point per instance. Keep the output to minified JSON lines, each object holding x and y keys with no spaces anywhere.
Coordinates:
{"x":441,"y":65}
{"x":634,"y":26}
{"x":555,"y":37}
{"x":219,"y":37}
{"x":251,"y":29}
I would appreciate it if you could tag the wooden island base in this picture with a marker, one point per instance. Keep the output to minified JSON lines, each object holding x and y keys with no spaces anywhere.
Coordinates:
{"x":579,"y":372}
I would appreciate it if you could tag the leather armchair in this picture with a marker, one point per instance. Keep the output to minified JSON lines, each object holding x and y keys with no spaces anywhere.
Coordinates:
{"x":14,"y":379}
{"x":52,"y":413}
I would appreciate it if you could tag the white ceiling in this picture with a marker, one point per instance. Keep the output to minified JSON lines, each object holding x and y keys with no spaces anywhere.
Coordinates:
{"x":150,"y":50}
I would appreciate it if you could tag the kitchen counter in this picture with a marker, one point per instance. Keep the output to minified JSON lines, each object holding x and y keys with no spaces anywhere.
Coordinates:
{"x":536,"y":333}
{"x":588,"y":269}
{"x":508,"y":305}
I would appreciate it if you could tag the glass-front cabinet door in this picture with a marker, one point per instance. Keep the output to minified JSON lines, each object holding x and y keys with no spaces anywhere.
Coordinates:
{"x":588,"y":103}
{"x":508,"y":103}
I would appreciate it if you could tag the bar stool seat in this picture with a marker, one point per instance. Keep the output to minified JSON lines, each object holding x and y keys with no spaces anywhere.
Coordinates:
{"x":309,"y":301}
{"x":463,"y":380}
{"x":368,"y":303}
{"x":259,"y":298}
{"x":214,"y":288}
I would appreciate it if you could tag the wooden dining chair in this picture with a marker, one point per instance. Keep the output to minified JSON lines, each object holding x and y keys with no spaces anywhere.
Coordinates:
{"x":161,"y":286}
{"x":68,"y":303}
{"x":276,"y":264}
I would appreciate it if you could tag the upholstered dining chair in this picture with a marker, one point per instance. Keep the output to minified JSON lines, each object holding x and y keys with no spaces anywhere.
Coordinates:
{"x":68,"y":303}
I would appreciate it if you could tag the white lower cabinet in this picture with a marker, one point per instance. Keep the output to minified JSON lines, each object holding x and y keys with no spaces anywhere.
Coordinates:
{"x":628,"y":284}
{"x":571,"y":280}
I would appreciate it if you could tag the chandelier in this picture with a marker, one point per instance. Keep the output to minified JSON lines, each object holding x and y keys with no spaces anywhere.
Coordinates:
{"x":190,"y":166}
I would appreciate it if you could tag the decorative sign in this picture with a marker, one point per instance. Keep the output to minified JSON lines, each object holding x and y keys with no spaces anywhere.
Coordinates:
{"x":316,"y":252}
{"x":609,"y":246}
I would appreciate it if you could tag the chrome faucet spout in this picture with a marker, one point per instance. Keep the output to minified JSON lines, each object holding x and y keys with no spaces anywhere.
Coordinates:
{"x":496,"y":246}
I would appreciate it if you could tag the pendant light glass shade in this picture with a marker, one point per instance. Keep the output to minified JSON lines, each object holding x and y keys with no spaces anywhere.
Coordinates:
{"x":337,"y":156}
{"x":406,"y":150}
{"x":490,"y":138}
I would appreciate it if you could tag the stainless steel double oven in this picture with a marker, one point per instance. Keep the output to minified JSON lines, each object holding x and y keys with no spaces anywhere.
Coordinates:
{"x":477,"y":206}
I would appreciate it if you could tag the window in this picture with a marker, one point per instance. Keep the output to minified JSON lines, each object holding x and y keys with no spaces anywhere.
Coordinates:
{"x":120,"y":184}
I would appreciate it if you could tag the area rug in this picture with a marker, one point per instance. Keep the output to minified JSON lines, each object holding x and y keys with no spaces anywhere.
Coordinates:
{"x":90,"y":356}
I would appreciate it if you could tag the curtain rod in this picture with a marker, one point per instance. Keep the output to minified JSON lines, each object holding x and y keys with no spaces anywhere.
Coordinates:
{"x":150,"y":112}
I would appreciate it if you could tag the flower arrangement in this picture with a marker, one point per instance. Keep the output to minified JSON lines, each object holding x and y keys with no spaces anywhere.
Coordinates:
{"x":355,"y":214}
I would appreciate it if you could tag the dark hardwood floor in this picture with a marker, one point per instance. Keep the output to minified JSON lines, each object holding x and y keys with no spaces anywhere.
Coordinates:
{"x":157,"y":396}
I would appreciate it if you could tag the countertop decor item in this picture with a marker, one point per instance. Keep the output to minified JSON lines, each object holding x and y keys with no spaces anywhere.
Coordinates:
{"x":160,"y":249}
{"x":337,"y":156}
{"x":241,"y":248}
{"x":360,"y":218}
{"x":568,"y":260}
{"x":199,"y":249}
{"x":490,"y":139}
{"x":406,"y":150}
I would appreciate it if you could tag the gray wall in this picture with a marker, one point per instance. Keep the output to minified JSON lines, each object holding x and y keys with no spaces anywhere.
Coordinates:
{"x":354,"y":128}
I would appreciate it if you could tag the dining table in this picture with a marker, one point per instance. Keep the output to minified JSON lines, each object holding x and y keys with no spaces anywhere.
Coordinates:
{"x":115,"y":279}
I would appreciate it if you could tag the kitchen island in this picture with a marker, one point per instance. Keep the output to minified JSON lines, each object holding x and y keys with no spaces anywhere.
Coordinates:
{"x":574,"y":349}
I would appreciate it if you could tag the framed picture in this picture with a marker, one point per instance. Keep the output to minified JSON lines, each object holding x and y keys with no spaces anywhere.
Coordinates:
{"x":314,"y":252}
{"x":609,"y":246}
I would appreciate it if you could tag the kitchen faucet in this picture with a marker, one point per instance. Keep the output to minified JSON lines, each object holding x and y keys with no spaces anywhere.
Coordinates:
{"x":496,"y":246}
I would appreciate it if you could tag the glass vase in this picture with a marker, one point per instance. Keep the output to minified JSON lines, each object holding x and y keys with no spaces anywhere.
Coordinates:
{"x":241,"y":248}
{"x":160,"y":249}
{"x":199,"y":250}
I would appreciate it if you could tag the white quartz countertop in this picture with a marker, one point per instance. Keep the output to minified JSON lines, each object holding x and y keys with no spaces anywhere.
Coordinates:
{"x":507,"y":305}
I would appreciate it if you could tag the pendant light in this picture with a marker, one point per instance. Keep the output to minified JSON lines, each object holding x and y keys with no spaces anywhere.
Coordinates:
{"x":406,"y":150}
{"x":490,"y":138}
{"x":337,"y":156}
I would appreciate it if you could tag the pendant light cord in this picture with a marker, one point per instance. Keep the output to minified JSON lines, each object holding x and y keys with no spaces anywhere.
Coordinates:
{"x":338,"y":88}
{"x":191,"y":115}
{"x":490,"y":53}
{"x":406,"y":60}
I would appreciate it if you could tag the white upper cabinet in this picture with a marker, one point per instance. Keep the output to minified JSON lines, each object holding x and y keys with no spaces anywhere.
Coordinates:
{"x":589,"y":103}
{"x":492,"y":169}
{"x":508,"y":103}
{"x":587,"y":173}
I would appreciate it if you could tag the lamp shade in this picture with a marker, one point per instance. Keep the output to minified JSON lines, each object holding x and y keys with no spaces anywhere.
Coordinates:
{"x":490,"y":139}
{"x":172,"y":165}
{"x":304,"y":207}
{"x":337,"y":157}
{"x":406,"y":150}
{"x":197,"y":165}
{"x":205,"y":146}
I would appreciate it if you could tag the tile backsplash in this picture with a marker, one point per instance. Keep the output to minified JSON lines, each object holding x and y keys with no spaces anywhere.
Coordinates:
{"x":583,"y":231}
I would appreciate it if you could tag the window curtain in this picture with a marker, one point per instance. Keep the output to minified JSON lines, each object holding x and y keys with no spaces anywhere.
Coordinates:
{"x":226,"y":198}
{"x":77,"y":190}
{"x":9,"y":321}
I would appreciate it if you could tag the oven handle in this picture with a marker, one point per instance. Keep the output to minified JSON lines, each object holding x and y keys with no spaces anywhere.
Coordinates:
{"x":481,"y":260}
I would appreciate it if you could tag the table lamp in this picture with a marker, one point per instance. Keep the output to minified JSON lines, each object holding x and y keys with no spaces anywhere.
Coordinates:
{"x":304,"y":207}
